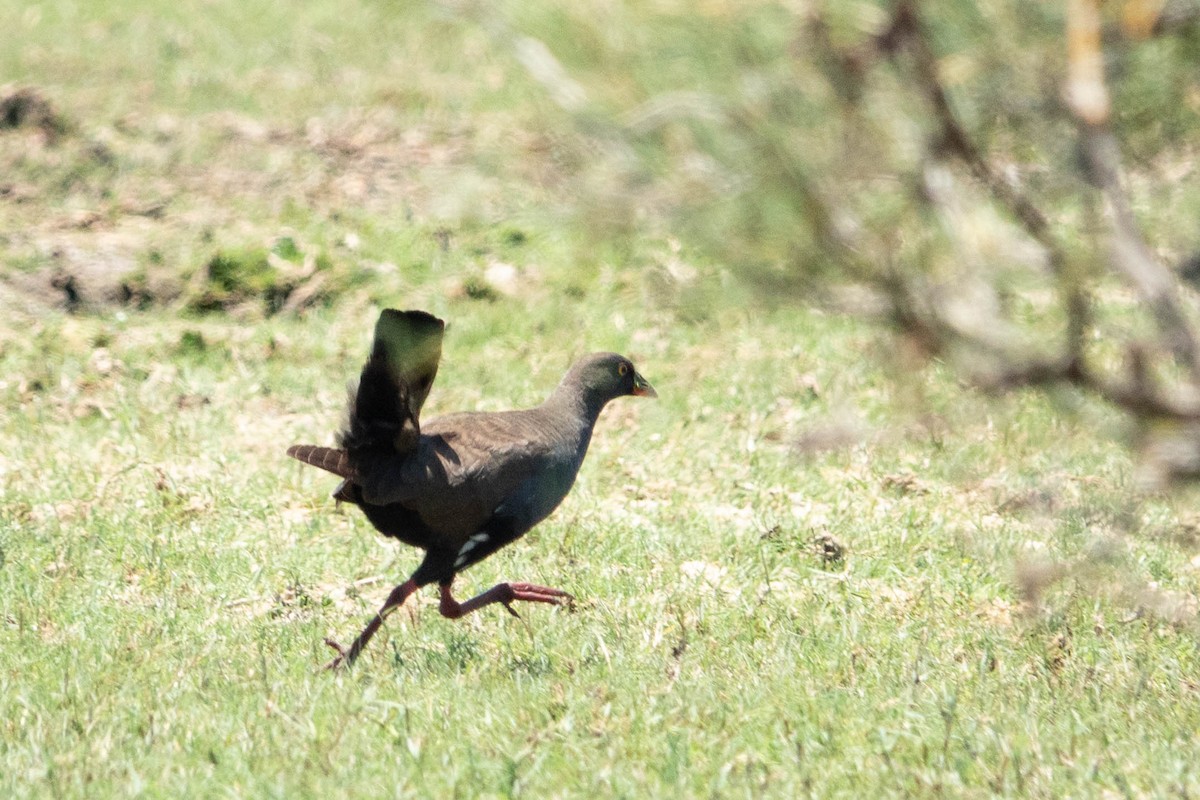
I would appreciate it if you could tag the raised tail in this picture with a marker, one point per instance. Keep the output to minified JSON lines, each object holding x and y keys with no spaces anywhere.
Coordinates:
{"x":385,"y":411}
{"x":326,"y":458}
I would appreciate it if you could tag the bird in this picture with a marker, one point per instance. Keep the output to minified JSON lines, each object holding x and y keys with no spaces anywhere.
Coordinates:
{"x":459,"y":486}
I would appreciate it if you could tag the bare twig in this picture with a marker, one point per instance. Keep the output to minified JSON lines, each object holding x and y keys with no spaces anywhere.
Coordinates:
{"x":1088,"y":97}
{"x":1145,"y":19}
{"x":1136,"y":393}
{"x":1131,"y":255}
{"x":1176,"y":17}
{"x":954,"y":141}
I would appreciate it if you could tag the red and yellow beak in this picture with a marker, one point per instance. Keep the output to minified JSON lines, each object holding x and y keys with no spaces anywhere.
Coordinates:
{"x":642,"y":387}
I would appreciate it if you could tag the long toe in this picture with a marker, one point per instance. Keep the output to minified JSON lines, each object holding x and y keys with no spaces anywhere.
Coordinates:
{"x":505,"y":594}
{"x":532,"y":593}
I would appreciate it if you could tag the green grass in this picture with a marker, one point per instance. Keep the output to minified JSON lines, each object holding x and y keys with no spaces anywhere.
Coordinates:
{"x":168,"y":578}
{"x":167,"y":575}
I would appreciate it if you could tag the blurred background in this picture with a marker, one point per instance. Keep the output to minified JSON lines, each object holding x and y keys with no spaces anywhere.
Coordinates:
{"x":923,"y":168}
{"x":916,"y":282}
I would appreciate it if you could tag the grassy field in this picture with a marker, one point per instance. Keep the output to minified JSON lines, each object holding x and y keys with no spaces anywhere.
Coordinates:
{"x":801,"y":572}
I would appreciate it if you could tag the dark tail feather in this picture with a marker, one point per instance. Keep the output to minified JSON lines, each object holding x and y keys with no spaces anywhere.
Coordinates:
{"x":385,"y":411}
{"x":326,"y":458}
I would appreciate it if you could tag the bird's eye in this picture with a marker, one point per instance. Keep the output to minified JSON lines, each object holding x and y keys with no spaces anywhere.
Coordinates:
{"x":622,"y":369}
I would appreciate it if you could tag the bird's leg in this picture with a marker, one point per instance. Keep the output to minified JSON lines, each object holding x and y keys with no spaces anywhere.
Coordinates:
{"x":347,"y":656}
{"x":503,"y":593}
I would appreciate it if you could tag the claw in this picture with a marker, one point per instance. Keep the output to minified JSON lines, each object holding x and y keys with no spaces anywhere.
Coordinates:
{"x":512,"y":610}
{"x":342,"y":656}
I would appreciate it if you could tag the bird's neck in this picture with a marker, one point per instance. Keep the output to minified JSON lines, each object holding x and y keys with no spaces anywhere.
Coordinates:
{"x":575,"y":398}
{"x":574,"y":401}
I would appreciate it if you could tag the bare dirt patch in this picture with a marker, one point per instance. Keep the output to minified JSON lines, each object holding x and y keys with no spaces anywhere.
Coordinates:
{"x":26,"y":107}
{"x":146,"y":211}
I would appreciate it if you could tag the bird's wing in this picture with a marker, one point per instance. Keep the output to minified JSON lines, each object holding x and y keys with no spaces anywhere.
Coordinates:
{"x":470,"y":467}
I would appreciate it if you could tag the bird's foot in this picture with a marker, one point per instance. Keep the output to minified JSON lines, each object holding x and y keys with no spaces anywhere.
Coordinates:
{"x":505,"y":594}
{"x":346,"y":656}
{"x":343,"y":656}
{"x":532,"y":593}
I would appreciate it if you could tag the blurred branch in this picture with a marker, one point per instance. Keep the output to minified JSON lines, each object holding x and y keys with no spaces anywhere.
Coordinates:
{"x":1131,"y":255}
{"x":1177,"y":17}
{"x":905,"y":34}
{"x":1088,"y":98}
{"x":832,"y":154}
{"x":1137,"y":394}
{"x":1144,"y":19}
{"x":1011,"y":367}
{"x":955,"y":141}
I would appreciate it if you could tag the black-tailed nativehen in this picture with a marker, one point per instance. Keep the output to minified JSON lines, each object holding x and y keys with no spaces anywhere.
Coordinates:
{"x":460,"y":486}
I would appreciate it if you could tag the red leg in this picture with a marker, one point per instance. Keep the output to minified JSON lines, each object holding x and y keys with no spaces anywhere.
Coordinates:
{"x":347,"y":657}
{"x":503,"y":593}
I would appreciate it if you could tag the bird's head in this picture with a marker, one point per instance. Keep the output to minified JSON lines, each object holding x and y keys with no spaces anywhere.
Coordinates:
{"x":605,"y":376}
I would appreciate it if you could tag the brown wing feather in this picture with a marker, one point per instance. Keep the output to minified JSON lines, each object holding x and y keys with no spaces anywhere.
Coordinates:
{"x":468,"y":464}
